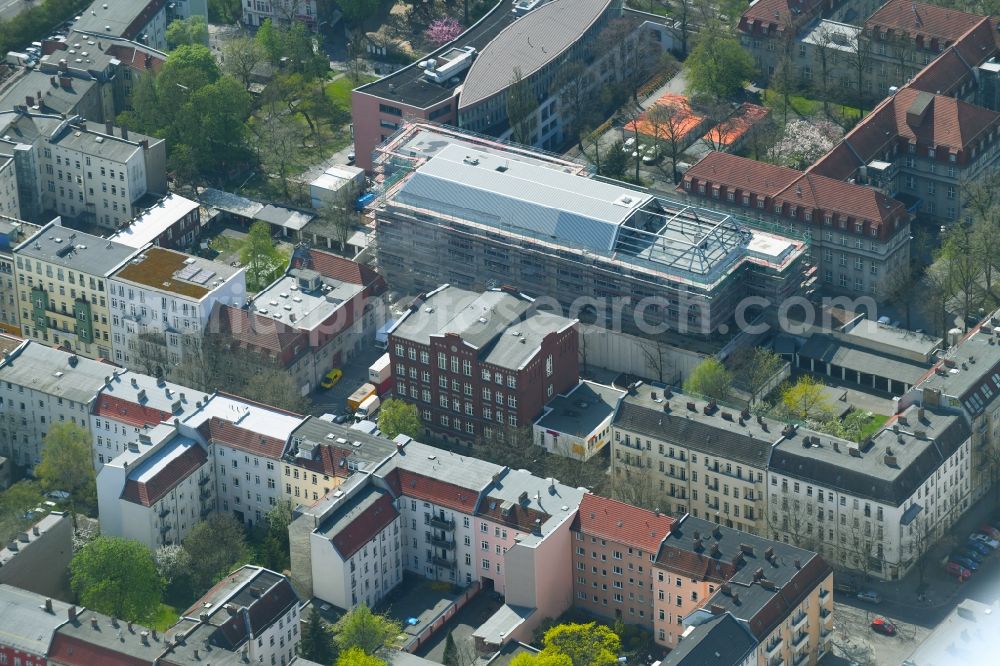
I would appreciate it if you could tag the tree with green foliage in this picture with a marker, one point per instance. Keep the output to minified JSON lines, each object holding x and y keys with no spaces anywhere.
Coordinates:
{"x":216,"y":544}
{"x":240,"y":57}
{"x":589,"y":644}
{"x":397,"y":417}
{"x":262,"y":258}
{"x":615,"y":161}
{"x":358,"y":657}
{"x":292,"y":49}
{"x":224,"y":11}
{"x":521,"y":106}
{"x":366,"y":631}
{"x":276,"y":547}
{"x":541,"y":659}
{"x":806,"y":400}
{"x":317,"y":641}
{"x":718,"y":66}
{"x":117,"y":577}
{"x":67,"y":463}
{"x":754,"y":367}
{"x":188,"y":31}
{"x":356,"y":11}
{"x":450,"y":657}
{"x":710,"y":379}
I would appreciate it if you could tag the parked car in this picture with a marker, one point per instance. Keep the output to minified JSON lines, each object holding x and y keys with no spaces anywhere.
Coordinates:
{"x":972,"y":554}
{"x":979,"y":547}
{"x":331,"y":378}
{"x":989,"y":530}
{"x":957,"y":570}
{"x":870,"y":597}
{"x":964,"y":561}
{"x":883,"y":626}
{"x":989,"y":541}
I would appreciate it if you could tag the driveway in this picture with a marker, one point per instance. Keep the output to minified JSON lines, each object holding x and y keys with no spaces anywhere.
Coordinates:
{"x":334,"y":400}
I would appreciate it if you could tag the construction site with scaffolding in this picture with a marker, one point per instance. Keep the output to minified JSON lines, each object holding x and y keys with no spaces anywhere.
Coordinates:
{"x":458,"y":208}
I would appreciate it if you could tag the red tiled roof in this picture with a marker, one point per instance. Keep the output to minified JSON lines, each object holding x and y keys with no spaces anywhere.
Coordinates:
{"x":128,"y":412}
{"x":684,"y":122}
{"x":135,"y":58}
{"x":949,"y":123}
{"x":149,"y":492}
{"x":519,"y":517}
{"x":780,"y":13}
{"x":829,"y":194}
{"x":328,"y":462}
{"x":345,"y":270}
{"x":151,"y":9}
{"x":440,"y":492}
{"x":744,"y":173}
{"x":699,"y":566}
{"x":733,"y":128}
{"x":365,"y":527}
{"x":623,"y":523}
{"x":220,"y":431}
{"x":255,"y":330}
{"x":930,"y":21}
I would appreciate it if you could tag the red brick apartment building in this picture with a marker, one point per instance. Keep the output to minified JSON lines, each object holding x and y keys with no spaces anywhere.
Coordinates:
{"x":478,"y":364}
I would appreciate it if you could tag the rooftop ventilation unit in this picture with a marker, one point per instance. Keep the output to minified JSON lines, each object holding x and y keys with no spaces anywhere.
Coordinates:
{"x":449,"y":64}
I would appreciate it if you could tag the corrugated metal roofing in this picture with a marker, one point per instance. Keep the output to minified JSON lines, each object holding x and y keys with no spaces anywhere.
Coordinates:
{"x":522,"y":198}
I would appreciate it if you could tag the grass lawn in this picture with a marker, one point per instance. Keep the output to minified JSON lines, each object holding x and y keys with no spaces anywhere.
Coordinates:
{"x":165,"y":618}
{"x":805,"y":107}
{"x":339,"y":91}
{"x":873,"y":425}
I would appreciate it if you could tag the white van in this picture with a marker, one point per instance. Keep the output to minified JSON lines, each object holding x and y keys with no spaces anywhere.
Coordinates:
{"x":367,"y":408}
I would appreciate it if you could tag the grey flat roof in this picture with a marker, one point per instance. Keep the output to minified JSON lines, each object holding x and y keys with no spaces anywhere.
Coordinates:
{"x":409,"y":86}
{"x":48,"y":370}
{"x":284,"y":217}
{"x":581,"y":410}
{"x":44,"y":525}
{"x":116,"y":639}
{"x":152,"y":222}
{"x":502,"y":623}
{"x":285,"y":300}
{"x":80,"y":251}
{"x":868,"y":474}
{"x":57,"y":98}
{"x":557,"y":501}
{"x":477,"y":316}
{"x":522,"y":197}
{"x":521,"y":341}
{"x":833,"y":35}
{"x":866,"y":329}
{"x":116,"y":14}
{"x":230,"y":203}
{"x":533,"y":41}
{"x":830,"y":350}
{"x":102,"y":145}
{"x":373,"y":450}
{"x":971,"y":369}
{"x":968,"y":635}
{"x":432,"y":462}
{"x":24,"y":623}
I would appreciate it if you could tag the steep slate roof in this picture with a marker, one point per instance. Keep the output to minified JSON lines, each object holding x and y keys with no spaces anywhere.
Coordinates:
{"x":79,"y":643}
{"x":868,"y":475}
{"x":623,"y":523}
{"x":255,"y":613}
{"x":220,"y":431}
{"x":328,"y":462}
{"x":126,"y":411}
{"x":930,"y":21}
{"x":708,"y":434}
{"x":721,"y":641}
{"x":778,"y":14}
{"x":359,"y":520}
{"x":166,"y":479}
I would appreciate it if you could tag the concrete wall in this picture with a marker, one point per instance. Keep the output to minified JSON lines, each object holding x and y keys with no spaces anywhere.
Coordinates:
{"x":41,"y":564}
{"x":604,"y":348}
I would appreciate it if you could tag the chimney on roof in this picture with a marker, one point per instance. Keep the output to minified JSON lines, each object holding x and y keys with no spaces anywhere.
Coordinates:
{"x":109,"y":128}
{"x":35,"y":530}
{"x":746,"y":549}
{"x":538,"y":527}
{"x":114,"y":622}
{"x":203,"y":617}
{"x":231,"y":609}
{"x":798,"y":563}
{"x":145,"y":637}
{"x":93,"y":621}
{"x":196,"y":655}
{"x":716,"y":609}
{"x":125,"y":132}
{"x":48,"y":605}
{"x":736,"y":598}
{"x":769,"y":553}
{"x":71,"y":613}
{"x":717,"y":532}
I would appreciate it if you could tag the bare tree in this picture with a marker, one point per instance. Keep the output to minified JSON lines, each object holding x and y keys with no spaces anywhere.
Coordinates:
{"x":825,"y":50}
{"x":667,"y":125}
{"x":638,"y":487}
{"x":240,"y":57}
{"x":339,"y":215}
{"x":860,"y":55}
{"x":573,"y":85}
{"x":657,"y":355}
{"x":683,"y":14}
{"x":521,"y":107}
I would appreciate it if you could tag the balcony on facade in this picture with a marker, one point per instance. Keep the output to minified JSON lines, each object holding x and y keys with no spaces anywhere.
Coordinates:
{"x":800,"y":640}
{"x":442,"y":523}
{"x":769,"y":650}
{"x":799,"y":621}
{"x":443,"y":542}
{"x":443,"y":562}
{"x":163,"y":512}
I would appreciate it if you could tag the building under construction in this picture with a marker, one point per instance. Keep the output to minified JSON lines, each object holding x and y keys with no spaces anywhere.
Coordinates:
{"x":476,"y":213}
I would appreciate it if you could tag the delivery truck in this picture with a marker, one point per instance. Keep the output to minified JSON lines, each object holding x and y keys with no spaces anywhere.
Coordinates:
{"x":380,"y":375}
{"x":367,"y":409}
{"x":360,"y":395}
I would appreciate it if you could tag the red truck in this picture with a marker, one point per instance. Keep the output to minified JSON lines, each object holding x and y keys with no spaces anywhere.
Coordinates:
{"x":380,"y":375}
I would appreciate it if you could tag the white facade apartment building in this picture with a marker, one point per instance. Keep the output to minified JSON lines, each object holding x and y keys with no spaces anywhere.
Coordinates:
{"x":40,"y":386}
{"x":95,"y":176}
{"x":281,"y":12}
{"x":878,"y":506}
{"x":246,"y":442}
{"x":160,"y":303}
{"x":457,"y":519}
{"x":10,"y":203}
{"x":158,"y":489}
{"x":132,"y":404}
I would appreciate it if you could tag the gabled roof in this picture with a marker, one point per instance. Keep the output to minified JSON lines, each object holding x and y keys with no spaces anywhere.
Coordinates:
{"x":931,"y":21}
{"x":360,"y":520}
{"x":128,"y":412}
{"x":327,"y":462}
{"x":336,"y":267}
{"x":779,"y":14}
{"x":949,"y":123}
{"x":151,"y":480}
{"x":622,"y":523}
{"x":744,"y":173}
{"x":434,"y":490}
{"x":720,"y":641}
{"x":220,"y":431}
{"x":255,"y":330}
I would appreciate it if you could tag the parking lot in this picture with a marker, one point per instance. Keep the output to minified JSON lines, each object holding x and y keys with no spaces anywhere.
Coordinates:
{"x":334,"y":400}
{"x":854,"y":641}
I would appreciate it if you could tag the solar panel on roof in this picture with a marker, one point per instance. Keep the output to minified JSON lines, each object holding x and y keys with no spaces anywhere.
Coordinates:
{"x":203,"y":277}
{"x":187,"y":272}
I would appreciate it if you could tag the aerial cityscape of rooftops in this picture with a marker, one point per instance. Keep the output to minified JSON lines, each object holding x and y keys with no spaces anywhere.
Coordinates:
{"x":528,"y":332}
